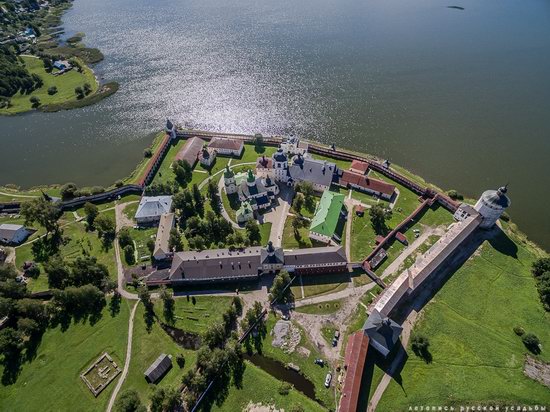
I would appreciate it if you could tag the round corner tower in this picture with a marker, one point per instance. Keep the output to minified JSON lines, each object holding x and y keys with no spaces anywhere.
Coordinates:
{"x":490,"y":206}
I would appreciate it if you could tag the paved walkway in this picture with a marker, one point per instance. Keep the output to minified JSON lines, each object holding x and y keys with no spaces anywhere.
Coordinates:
{"x":127,"y":360}
{"x":277,"y":216}
{"x":221,"y":190}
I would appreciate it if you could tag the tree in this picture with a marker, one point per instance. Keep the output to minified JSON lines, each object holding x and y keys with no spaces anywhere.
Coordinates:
{"x":148,"y":153}
{"x":35,"y":102}
{"x":253,"y":232}
{"x":298,"y":202}
{"x":378,"y":216}
{"x":91,"y":212}
{"x":79,"y":92}
{"x":214,"y":335}
{"x":151,"y":246}
{"x":453,"y":194}
{"x":59,"y":273}
{"x":183,"y":171}
{"x":129,"y":401}
{"x":215,"y":202}
{"x":180,"y":360}
{"x":168,"y":304}
{"x":106,"y":229}
{"x":165,"y":400}
{"x":259,"y":142}
{"x":43,"y":212}
{"x":175,"y":242}
{"x":87,"y":270}
{"x":280,"y":289}
{"x":198,"y":200}
{"x":87,"y":88}
{"x":540,"y":266}
{"x":68,"y":191}
{"x":129,"y":254}
{"x":420,"y":346}
{"x":238,"y":304}
{"x":124,"y":237}
{"x":531,"y":342}
{"x":52,"y":90}
{"x":48,"y":64}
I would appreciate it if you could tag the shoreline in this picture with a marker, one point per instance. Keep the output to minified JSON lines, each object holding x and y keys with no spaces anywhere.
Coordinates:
{"x":86,"y":57}
{"x":155,"y":144}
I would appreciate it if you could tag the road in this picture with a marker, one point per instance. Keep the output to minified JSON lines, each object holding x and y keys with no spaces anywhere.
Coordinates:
{"x":121,"y":221}
{"x":127,"y":360}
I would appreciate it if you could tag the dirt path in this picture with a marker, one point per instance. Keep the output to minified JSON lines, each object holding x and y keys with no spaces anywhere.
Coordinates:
{"x":121,"y":221}
{"x":409,"y":250}
{"x":127,"y":360}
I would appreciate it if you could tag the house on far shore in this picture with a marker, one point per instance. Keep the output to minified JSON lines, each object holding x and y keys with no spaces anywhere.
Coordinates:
{"x":12,"y":234}
{"x":151,"y":208}
{"x":190,"y":151}
{"x":158,"y":369}
{"x":61,"y":65}
{"x":166,"y":224}
{"x":227,"y":147}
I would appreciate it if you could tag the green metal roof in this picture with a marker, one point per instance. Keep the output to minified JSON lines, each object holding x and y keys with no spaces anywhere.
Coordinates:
{"x":327,"y":214}
{"x":228,"y":172}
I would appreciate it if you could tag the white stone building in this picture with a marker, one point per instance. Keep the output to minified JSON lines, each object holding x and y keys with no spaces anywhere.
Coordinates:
{"x":490,"y":206}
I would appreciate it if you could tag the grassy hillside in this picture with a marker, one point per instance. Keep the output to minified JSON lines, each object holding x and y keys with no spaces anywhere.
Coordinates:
{"x":65,"y":84}
{"x":477,"y":358}
{"x":51,"y":381}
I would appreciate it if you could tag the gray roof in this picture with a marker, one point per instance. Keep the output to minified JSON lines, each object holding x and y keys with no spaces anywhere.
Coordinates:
{"x":497,"y":197}
{"x":383,"y":333}
{"x":163,"y":233}
{"x":216,"y":264}
{"x":8,"y":230}
{"x":315,"y":255}
{"x":272,"y":255}
{"x":261,"y":185}
{"x":313,"y":170}
{"x":159,"y":367}
{"x":153,"y":206}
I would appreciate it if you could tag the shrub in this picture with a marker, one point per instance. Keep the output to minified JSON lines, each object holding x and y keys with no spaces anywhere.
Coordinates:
{"x":129,"y":254}
{"x":68,"y":191}
{"x":97,"y":190}
{"x":119,"y":183}
{"x":420,"y":346}
{"x":531,"y":342}
{"x":180,"y":360}
{"x":147,"y":153}
{"x":52,"y":90}
{"x":518,"y":330}
{"x":285,"y":388}
{"x":35,"y":102}
{"x":453,"y":194}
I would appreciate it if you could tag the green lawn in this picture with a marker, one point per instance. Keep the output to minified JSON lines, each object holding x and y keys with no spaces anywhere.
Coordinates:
{"x":328,"y":333}
{"x":320,"y":284}
{"x":291,"y":242}
{"x":260,"y":387}
{"x":146,"y":348}
{"x":140,"y":236}
{"x":51,"y":380}
{"x":130,"y":210}
{"x":79,"y":242}
{"x":251,"y":153}
{"x":65,"y":84}
{"x":265,"y":231}
{"x":477,"y":358}
{"x":231,"y":204}
{"x":325,"y":308}
{"x":342,"y":164}
{"x":199,"y":316}
{"x":165,"y":173}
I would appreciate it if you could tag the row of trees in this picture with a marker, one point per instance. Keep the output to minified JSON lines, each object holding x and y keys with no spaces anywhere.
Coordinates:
{"x":161,"y":400}
{"x":541,"y":271}
{"x":70,"y":191}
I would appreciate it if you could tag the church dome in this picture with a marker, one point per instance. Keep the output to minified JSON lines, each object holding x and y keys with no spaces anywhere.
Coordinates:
{"x":496,"y":198}
{"x":298,"y":160}
{"x":279,"y":156}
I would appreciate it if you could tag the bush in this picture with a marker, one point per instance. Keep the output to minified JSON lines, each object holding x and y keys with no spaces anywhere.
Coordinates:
{"x":518,"y":330}
{"x":453,"y":194}
{"x":420,"y":346}
{"x":147,"y":153}
{"x":35,"y":102}
{"x":129,"y":254}
{"x":68,"y":191}
{"x":52,"y":90}
{"x":180,"y":360}
{"x":119,"y":183}
{"x":285,"y":388}
{"x":97,"y":190}
{"x":531,"y":342}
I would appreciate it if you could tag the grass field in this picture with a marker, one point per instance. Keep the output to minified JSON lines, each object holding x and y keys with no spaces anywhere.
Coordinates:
{"x":51,"y":381}
{"x":314,"y":285}
{"x":65,"y":84}
{"x":146,"y":348}
{"x":325,"y":308}
{"x":477,"y":357}
{"x":265,"y":231}
{"x":197,"y":317}
{"x":260,"y":387}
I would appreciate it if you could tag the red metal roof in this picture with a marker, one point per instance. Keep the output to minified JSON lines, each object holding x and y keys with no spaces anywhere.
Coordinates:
{"x":359,"y":166}
{"x":224,"y":143}
{"x":356,"y":354}
{"x":349,"y":177}
{"x":401,"y":237}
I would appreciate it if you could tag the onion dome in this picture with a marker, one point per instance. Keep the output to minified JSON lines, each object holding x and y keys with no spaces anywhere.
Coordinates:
{"x":279,"y":156}
{"x":228,"y":174}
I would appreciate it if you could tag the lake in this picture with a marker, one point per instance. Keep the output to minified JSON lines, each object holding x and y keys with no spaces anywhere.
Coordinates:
{"x":461,"y":97}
